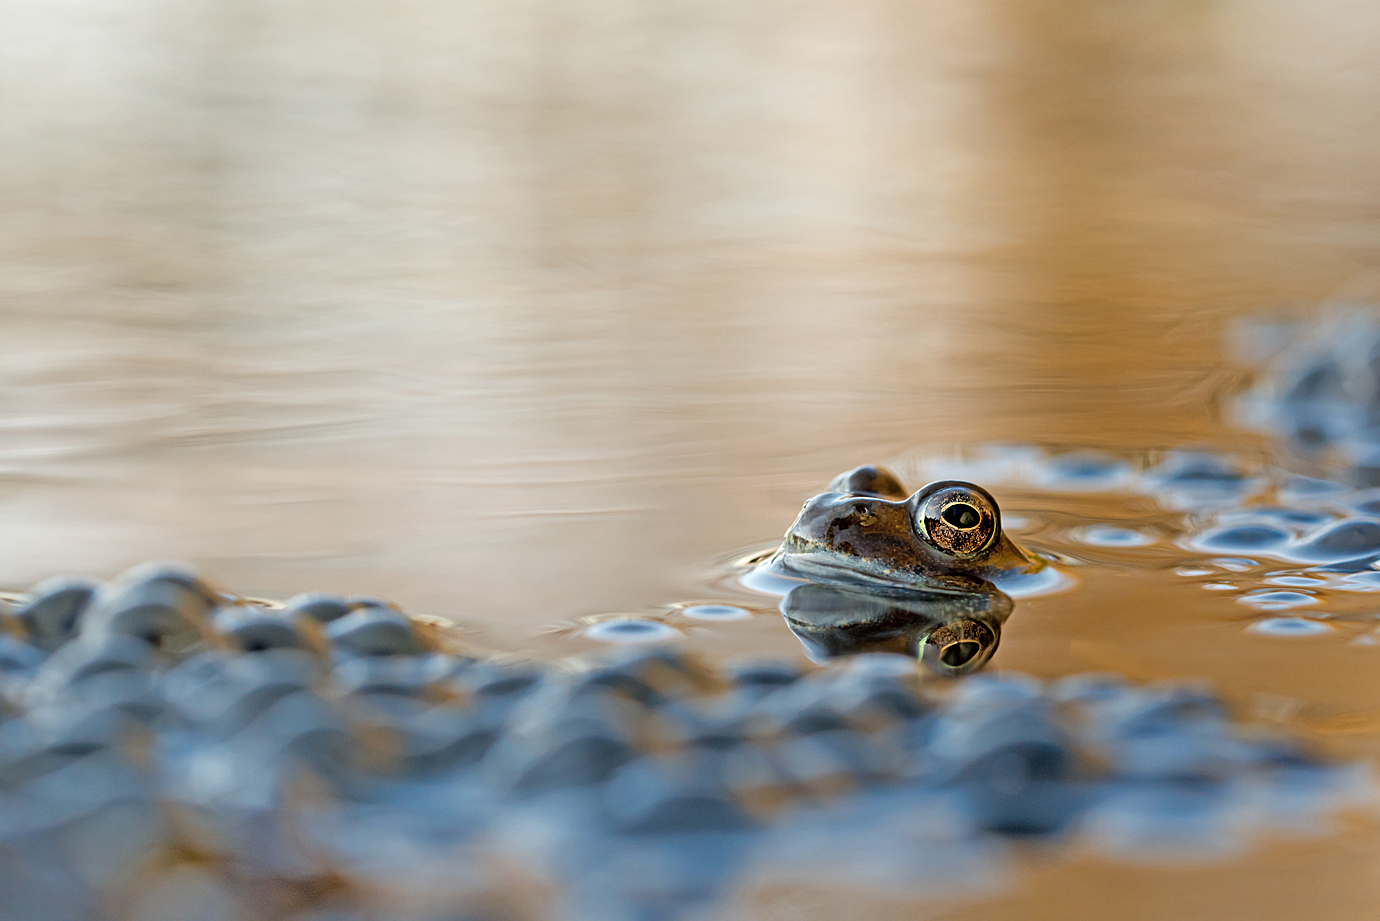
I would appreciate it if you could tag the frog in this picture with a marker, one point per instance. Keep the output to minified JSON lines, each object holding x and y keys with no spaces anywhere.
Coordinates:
{"x":866,"y":530}
{"x":871,"y":567}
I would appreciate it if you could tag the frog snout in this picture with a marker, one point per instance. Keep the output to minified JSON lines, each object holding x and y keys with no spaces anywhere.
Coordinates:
{"x":825,"y":517}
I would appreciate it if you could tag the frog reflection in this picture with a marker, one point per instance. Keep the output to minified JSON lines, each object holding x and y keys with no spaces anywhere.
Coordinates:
{"x":950,"y":634}
{"x":869,"y":567}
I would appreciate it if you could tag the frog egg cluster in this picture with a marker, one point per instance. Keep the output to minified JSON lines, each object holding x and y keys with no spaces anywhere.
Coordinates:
{"x":1323,"y":392}
{"x":1340,"y":541}
{"x":170,"y":752}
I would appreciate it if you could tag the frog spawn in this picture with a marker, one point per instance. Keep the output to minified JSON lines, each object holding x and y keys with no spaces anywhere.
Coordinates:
{"x":1312,"y":551}
{"x":1322,"y":393}
{"x":165,"y":746}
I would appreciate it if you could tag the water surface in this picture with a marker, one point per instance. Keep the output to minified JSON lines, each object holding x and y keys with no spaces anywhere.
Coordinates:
{"x":521,"y":313}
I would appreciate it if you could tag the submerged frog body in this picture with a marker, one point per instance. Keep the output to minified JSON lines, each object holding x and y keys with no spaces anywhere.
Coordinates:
{"x":867,"y":531}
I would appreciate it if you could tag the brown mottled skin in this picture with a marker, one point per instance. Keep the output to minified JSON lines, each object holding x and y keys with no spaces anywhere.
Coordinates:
{"x":864,"y":531}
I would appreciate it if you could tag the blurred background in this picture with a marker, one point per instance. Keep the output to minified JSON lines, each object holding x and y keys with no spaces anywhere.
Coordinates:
{"x":517,"y":310}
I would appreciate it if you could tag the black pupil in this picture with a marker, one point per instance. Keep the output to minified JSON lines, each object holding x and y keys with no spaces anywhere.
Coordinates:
{"x":960,"y":653}
{"x":961,"y":516}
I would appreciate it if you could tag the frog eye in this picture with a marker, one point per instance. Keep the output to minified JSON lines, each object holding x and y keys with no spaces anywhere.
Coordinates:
{"x":958,"y":648}
{"x":959,"y":519}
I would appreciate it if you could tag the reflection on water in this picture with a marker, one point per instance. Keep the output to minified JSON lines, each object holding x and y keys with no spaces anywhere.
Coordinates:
{"x":527,"y":313}
{"x":951,"y":634}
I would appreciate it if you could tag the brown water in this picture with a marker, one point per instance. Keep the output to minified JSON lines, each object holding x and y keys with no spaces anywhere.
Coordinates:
{"x":522,"y":312}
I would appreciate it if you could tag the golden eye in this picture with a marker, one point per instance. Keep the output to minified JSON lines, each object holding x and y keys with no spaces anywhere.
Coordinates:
{"x":960,"y":647}
{"x":959,"y":519}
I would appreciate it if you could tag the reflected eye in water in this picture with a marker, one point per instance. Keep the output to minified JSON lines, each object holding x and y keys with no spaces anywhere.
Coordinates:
{"x":948,"y":634}
{"x":959,"y":519}
{"x":959,"y":647}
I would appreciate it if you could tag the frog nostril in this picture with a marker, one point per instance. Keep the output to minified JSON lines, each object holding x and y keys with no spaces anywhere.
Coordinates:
{"x":961,"y":516}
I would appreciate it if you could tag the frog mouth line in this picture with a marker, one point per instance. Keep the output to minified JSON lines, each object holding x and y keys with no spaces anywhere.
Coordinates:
{"x":814,"y":561}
